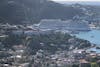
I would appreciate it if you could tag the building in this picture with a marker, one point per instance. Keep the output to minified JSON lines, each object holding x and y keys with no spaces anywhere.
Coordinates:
{"x":56,"y":24}
{"x":84,"y":63}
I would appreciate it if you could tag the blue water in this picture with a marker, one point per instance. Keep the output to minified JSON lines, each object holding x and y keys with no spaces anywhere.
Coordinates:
{"x":94,"y":49}
{"x":92,"y":36}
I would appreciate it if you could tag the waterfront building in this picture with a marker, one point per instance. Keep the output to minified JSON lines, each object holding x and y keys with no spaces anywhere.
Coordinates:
{"x":67,"y":25}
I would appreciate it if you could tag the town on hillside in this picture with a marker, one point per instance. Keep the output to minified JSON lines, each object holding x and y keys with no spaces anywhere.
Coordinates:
{"x":49,"y":33}
{"x":47,"y":44}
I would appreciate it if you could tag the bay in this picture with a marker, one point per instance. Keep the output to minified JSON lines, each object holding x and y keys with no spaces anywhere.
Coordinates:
{"x":92,"y":36}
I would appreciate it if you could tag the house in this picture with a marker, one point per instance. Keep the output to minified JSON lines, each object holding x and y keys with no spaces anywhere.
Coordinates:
{"x":84,"y":63}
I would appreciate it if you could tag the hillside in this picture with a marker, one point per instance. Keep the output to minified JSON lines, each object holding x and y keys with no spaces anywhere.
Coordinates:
{"x":19,"y":11}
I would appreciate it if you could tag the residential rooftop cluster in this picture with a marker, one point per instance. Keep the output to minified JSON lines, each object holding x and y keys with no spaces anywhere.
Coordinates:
{"x":68,"y":50}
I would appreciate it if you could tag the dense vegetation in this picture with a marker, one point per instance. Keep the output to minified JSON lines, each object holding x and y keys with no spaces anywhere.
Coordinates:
{"x":51,"y":42}
{"x":19,"y":11}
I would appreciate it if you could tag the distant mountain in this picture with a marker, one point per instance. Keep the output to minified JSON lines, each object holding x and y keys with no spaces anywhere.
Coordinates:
{"x":92,"y":3}
{"x":26,"y":11}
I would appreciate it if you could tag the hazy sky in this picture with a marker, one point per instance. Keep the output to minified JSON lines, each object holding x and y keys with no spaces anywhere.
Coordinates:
{"x":76,"y":0}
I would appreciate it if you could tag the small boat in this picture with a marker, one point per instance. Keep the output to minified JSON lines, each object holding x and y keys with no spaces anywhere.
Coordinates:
{"x":97,"y":47}
{"x":92,"y":36}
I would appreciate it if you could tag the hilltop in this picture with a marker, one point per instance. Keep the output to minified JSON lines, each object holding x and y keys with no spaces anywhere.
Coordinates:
{"x":19,"y":11}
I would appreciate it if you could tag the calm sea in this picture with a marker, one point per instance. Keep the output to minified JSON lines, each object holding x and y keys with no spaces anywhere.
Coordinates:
{"x":92,"y":36}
